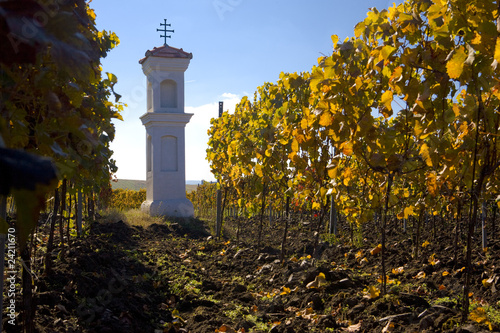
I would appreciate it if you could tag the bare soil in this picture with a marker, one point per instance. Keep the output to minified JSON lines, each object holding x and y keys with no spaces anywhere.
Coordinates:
{"x":176,"y":278}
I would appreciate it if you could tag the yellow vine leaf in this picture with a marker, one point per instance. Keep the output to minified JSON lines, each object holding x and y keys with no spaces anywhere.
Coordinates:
{"x":417,"y":128}
{"x":387,"y":99}
{"x":326,"y":119}
{"x":497,"y":50}
{"x":258,"y":170}
{"x":489,"y":282}
{"x":486,"y":283}
{"x":432,"y":260}
{"x":396,"y":74}
{"x":432,"y":185}
{"x":347,"y":148}
{"x":347,"y":174}
{"x":386,"y":51}
{"x":335,"y":40}
{"x":358,"y":29}
{"x":358,"y":82}
{"x":399,"y":270}
{"x":408,"y":211}
{"x":425,"y":244}
{"x":373,"y":291}
{"x":91,"y":13}
{"x":424,"y":151}
{"x":285,"y":291}
{"x":455,"y":65}
{"x":376,"y":250}
{"x":480,"y":316}
{"x":295,"y":145}
{"x":332,"y":173}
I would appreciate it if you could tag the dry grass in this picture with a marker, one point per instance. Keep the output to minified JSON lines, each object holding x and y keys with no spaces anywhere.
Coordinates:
{"x":133,"y":217}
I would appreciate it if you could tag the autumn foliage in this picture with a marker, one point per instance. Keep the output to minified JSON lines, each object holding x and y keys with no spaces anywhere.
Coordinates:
{"x":400,"y":119}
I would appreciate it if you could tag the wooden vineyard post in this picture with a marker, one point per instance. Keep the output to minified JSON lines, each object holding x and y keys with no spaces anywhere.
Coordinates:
{"x":332,"y":226}
{"x":218,"y":222}
{"x":333,"y":218}
{"x":483,"y":226}
{"x":493,"y":222}
{"x":79,"y":213}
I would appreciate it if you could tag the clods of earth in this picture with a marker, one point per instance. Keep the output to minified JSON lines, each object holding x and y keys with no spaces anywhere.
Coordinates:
{"x":175,"y":277}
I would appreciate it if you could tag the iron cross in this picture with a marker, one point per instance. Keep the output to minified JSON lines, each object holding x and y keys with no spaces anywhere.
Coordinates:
{"x":164,"y":30}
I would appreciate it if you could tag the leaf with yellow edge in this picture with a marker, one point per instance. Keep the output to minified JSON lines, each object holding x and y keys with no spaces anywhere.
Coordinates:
{"x":335,"y":40}
{"x":417,"y":128}
{"x":358,"y":29}
{"x":295,"y":145}
{"x":455,"y":65}
{"x":486,"y":283}
{"x":480,"y":316}
{"x":332,"y":173}
{"x":432,"y":185}
{"x":347,"y":148}
{"x":386,"y":99}
{"x":373,"y":291}
{"x":285,"y":291}
{"x":319,"y":281}
{"x":396,"y":74}
{"x":258,"y":170}
{"x":432,"y":260}
{"x":408,"y":211}
{"x":497,"y":50}
{"x":399,"y":270}
{"x":91,"y":13}
{"x":446,"y":273}
{"x":376,"y":250}
{"x":325,"y":119}
{"x":424,"y":151}
{"x":386,"y":51}
{"x":359,"y":82}
{"x":489,"y":282}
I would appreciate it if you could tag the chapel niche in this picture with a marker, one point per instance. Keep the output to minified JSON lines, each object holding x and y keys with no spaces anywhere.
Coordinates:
{"x":168,"y":94}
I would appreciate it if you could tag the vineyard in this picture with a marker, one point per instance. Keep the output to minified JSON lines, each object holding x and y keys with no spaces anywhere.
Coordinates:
{"x":361,"y":196}
{"x":401,"y":121}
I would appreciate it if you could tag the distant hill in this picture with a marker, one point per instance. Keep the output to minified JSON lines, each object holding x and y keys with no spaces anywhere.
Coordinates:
{"x":129,"y":184}
{"x":137,"y":185}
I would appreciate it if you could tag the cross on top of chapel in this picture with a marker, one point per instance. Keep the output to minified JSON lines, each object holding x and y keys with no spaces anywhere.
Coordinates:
{"x":164,"y":30}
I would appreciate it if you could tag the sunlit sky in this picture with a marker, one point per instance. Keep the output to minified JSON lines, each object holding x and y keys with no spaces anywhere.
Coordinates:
{"x":237,"y":45}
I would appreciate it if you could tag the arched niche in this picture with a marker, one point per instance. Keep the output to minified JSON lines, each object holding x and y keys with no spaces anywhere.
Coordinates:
{"x":168,"y":94}
{"x":169,"y":153}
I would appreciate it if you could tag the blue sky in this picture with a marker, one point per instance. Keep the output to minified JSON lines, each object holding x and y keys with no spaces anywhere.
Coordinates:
{"x":237,"y":45}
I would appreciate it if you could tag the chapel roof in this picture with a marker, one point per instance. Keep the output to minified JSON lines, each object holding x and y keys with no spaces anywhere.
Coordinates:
{"x":166,"y":51}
